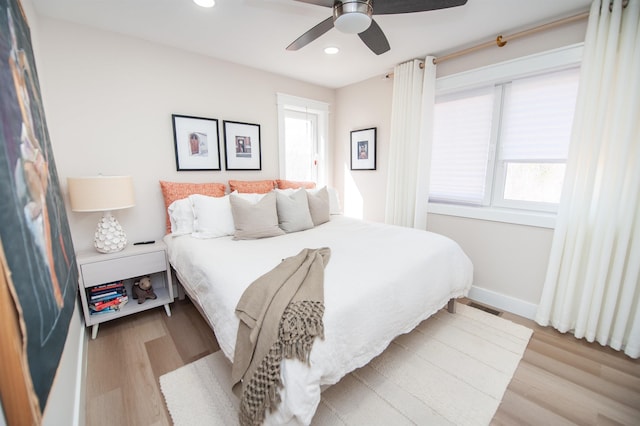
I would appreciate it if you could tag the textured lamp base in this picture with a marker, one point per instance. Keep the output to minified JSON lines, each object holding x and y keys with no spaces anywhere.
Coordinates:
{"x":110,"y":236}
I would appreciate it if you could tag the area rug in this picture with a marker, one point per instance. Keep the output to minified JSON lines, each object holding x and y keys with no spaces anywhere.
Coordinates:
{"x":450,"y":370}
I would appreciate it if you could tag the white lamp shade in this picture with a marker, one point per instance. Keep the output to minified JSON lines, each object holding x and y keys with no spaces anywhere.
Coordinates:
{"x":101,"y":193}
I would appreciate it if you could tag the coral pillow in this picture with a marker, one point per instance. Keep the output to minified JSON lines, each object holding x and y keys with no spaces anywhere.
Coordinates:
{"x":292,"y":184}
{"x":252,"y":186}
{"x":172,"y":191}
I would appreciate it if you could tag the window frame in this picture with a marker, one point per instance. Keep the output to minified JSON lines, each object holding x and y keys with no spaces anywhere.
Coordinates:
{"x":321,"y":110}
{"x":494,"y":207}
{"x":498,"y":199}
{"x":313,"y":119}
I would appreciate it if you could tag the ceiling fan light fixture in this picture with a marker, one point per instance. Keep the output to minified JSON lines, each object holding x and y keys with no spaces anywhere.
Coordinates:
{"x":352,"y":17}
{"x":205,"y":3}
{"x":331,"y":50}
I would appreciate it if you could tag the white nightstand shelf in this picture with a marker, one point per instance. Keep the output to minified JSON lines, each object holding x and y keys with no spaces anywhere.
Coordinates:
{"x":127,"y":265}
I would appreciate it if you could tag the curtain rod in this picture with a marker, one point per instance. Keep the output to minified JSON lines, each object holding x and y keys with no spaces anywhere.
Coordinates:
{"x":501,"y":40}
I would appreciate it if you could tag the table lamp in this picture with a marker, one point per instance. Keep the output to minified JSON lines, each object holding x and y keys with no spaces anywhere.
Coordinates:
{"x":103,"y":194}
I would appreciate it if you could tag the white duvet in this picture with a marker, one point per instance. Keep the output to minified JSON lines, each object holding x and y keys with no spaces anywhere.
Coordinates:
{"x":381,"y":281}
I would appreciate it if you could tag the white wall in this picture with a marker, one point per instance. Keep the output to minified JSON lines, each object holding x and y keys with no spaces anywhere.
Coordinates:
{"x":362,"y":106}
{"x":109,"y":102}
{"x":510,"y":261}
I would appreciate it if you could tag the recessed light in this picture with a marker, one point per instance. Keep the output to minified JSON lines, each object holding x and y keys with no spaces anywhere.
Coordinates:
{"x":331,"y":50}
{"x":205,"y":3}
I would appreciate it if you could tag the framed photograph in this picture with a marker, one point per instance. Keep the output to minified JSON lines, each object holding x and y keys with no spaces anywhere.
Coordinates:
{"x":196,"y":142}
{"x":242,"y":146}
{"x":363,"y":149}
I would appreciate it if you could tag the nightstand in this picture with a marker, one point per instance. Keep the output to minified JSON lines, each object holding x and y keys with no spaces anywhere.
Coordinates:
{"x":96,"y":269}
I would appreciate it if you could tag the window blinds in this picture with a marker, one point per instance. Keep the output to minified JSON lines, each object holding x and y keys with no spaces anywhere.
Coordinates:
{"x":537,"y":116}
{"x":462,"y":132}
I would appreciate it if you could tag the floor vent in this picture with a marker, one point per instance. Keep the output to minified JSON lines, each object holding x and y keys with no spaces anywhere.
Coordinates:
{"x":485,"y":308}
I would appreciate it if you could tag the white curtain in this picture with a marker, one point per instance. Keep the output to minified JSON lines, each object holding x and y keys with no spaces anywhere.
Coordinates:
{"x":404,"y":144}
{"x":426,"y":143}
{"x":592,"y":283}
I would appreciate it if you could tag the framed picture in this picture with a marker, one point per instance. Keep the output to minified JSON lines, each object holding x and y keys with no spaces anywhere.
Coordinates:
{"x":242,"y":146}
{"x":363,"y":149}
{"x":196,"y":142}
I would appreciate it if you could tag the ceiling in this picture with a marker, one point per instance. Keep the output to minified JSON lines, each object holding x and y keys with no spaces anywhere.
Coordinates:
{"x":255,"y":33}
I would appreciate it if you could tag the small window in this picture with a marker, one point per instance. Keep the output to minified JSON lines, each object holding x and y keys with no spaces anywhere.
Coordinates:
{"x":303,"y":138}
{"x":301,"y":145}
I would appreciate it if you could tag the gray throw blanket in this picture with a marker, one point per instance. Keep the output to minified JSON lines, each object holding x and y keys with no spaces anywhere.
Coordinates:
{"x":280,"y":316}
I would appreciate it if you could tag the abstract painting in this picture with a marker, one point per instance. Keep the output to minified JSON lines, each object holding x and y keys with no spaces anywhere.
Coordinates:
{"x":34,"y":231}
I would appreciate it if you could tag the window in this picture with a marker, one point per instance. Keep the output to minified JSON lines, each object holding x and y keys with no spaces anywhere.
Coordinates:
{"x":303,"y":138}
{"x":502,"y":141}
{"x":301,"y":145}
{"x":534,"y":139}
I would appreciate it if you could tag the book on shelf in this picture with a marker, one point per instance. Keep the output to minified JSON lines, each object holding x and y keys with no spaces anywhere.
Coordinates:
{"x":104,"y":311}
{"x":109,"y":306}
{"x":105,"y":288}
{"x":110,"y":309}
{"x":107,"y":297}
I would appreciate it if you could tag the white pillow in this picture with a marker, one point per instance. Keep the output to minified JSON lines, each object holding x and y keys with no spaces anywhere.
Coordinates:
{"x":334,"y":201}
{"x":251,"y":197}
{"x":213,"y":216}
{"x":319,"y":205}
{"x":255,"y":220}
{"x":287,"y":191}
{"x":293,"y":210}
{"x":181,"y":217}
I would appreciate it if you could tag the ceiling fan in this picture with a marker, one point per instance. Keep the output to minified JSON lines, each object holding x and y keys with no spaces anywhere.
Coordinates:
{"x":354,"y":17}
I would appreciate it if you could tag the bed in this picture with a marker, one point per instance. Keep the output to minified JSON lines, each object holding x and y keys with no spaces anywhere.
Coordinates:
{"x":380,"y":282}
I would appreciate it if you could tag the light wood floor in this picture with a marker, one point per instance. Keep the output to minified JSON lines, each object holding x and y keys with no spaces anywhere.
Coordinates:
{"x":560,"y":380}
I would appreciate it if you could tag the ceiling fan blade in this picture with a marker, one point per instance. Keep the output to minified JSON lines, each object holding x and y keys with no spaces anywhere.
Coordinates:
{"x":325,"y":3}
{"x":312,"y":34}
{"x":375,"y":39}
{"x":389,"y":7}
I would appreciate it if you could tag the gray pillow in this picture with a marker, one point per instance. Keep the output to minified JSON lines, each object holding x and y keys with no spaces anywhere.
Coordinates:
{"x":319,"y":206}
{"x":293,"y":210}
{"x":257,"y":220}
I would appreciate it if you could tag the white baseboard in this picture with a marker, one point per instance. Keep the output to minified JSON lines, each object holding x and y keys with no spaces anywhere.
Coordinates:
{"x":66,"y":401}
{"x":80,"y":399}
{"x":503,"y":302}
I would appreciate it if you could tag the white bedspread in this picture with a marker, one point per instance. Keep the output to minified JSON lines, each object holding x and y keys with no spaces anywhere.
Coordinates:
{"x":381,"y":281}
